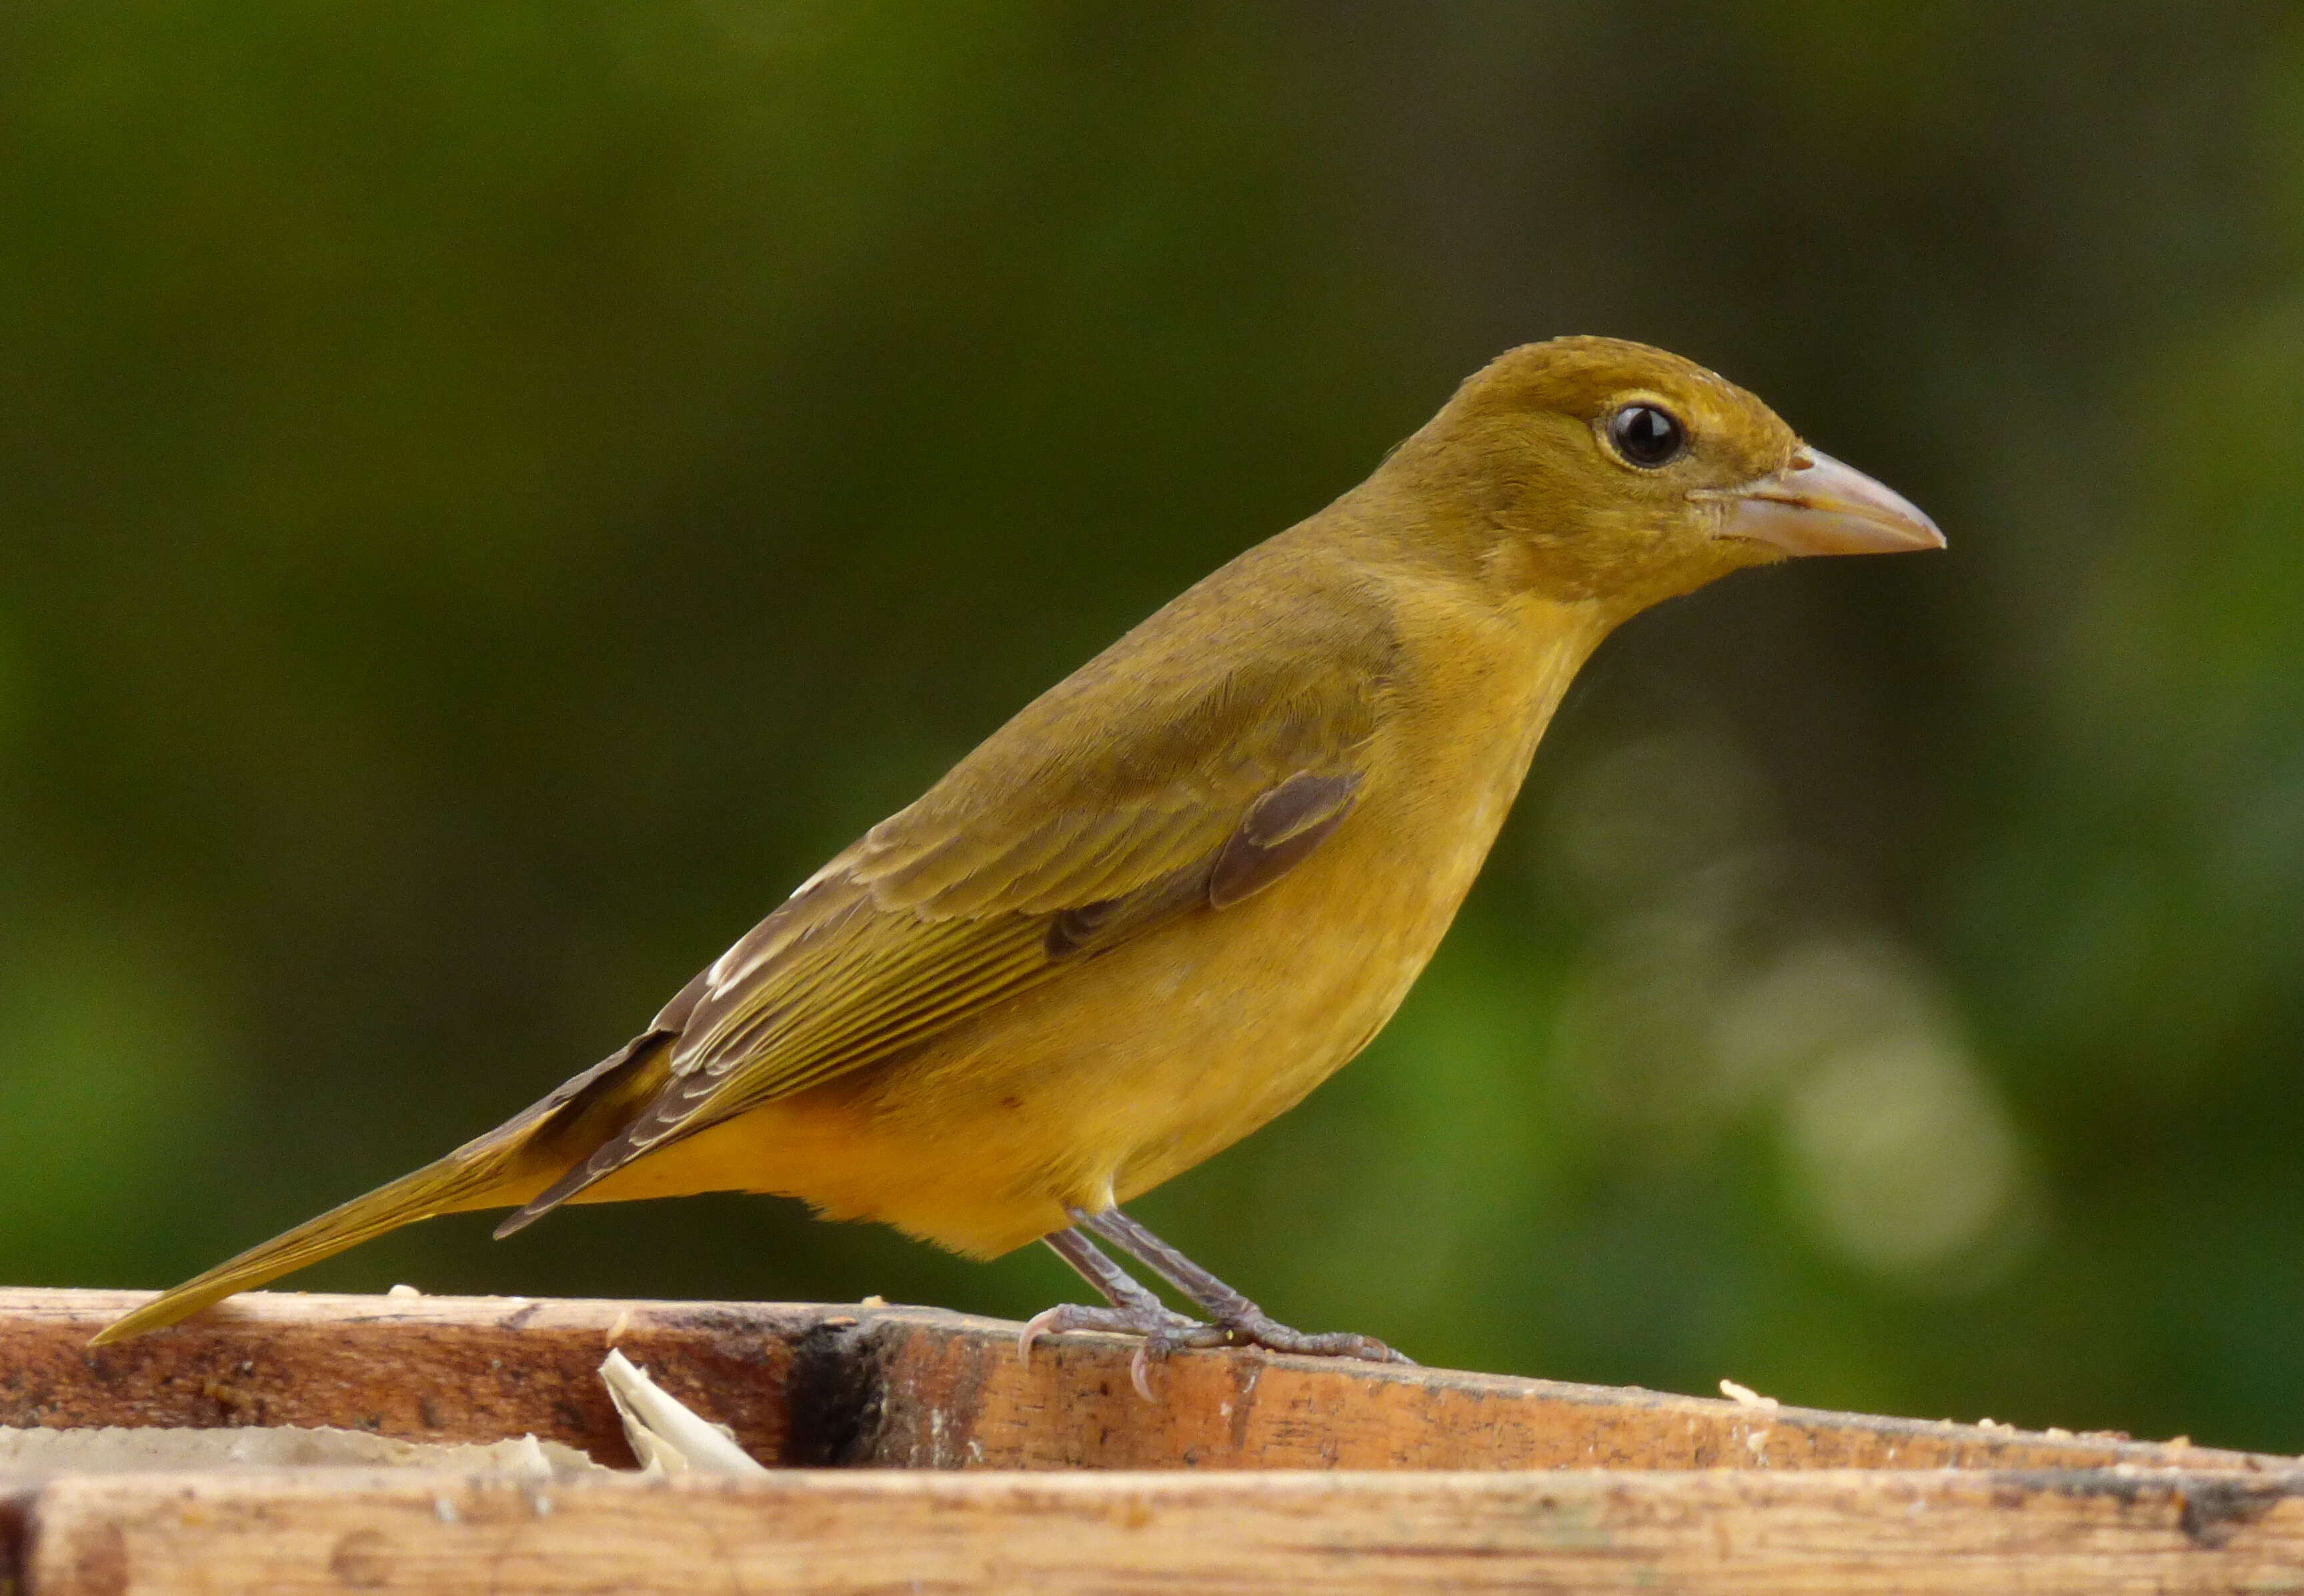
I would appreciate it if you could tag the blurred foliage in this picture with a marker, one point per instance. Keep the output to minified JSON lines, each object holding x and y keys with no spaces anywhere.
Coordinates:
{"x":491,"y":496}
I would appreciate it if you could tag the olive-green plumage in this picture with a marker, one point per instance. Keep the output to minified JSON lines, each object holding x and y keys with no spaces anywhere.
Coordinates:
{"x":1187,"y":884}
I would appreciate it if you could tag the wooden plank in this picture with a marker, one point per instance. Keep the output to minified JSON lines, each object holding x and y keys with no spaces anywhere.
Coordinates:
{"x":913,"y":1388}
{"x":439,"y":1369}
{"x":1736,"y":1533}
{"x":946,"y":1400}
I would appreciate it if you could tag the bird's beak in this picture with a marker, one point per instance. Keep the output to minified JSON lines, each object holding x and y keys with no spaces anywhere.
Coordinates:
{"x":1817,"y":506}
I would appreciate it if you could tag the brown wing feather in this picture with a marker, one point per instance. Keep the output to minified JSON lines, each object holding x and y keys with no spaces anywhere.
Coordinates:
{"x":1042,"y":847}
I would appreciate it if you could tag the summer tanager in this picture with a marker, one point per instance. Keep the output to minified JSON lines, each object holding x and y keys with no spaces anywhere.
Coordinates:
{"x":1187,"y":883}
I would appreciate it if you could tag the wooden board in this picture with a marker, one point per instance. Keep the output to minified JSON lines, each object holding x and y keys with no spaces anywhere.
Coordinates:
{"x":920,"y":1453}
{"x":1751,"y":1532}
{"x":918,"y":1389}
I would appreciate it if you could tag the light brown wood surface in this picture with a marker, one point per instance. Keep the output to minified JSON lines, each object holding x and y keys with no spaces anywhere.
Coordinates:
{"x":918,"y":1452}
{"x":1754,"y":1533}
{"x":916,"y":1387}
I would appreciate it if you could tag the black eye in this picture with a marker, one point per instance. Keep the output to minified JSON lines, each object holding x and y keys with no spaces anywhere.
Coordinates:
{"x":1646,"y":436}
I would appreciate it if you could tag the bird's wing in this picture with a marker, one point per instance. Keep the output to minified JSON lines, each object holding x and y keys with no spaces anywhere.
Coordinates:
{"x":1034,"y":851}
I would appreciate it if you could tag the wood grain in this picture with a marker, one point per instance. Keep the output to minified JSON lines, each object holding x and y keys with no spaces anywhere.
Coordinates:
{"x":949,"y":1401}
{"x":439,"y":1369}
{"x":1849,"y":1533}
{"x":914,"y":1388}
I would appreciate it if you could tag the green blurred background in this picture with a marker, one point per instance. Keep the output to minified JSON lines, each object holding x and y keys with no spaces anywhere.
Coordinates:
{"x":492,"y":494}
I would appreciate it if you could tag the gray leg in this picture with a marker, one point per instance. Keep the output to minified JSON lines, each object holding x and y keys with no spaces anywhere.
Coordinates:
{"x":1118,"y":1287}
{"x":1226,"y":1308}
{"x":1135,"y":1310}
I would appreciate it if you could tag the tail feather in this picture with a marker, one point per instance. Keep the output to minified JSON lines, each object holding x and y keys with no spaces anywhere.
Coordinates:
{"x":441,"y":1188}
{"x":507,"y":1165}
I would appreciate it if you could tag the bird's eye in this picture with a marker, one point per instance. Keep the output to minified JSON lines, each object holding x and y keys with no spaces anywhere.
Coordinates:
{"x":1646,"y":436}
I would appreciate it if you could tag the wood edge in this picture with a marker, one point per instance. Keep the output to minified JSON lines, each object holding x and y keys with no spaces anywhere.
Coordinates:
{"x":2091,"y":1450}
{"x":74,"y":1308}
{"x":841,"y":1350}
{"x":30,"y":1498}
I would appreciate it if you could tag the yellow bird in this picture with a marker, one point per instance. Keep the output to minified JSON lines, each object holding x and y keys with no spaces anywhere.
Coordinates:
{"x":1187,"y":884}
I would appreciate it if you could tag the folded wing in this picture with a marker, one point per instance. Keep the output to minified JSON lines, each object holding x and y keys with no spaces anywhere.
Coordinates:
{"x":1033,"y":853}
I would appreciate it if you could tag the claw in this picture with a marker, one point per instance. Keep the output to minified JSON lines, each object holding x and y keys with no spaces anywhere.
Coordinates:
{"x":1037,"y":1326}
{"x":1161,"y":1332}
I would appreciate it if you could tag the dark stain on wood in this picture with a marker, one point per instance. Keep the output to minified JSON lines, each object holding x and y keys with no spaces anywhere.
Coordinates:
{"x":834,"y":1397}
{"x":2215,"y":1510}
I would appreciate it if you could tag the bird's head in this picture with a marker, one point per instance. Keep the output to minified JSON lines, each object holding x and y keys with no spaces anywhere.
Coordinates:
{"x":1594,"y":470}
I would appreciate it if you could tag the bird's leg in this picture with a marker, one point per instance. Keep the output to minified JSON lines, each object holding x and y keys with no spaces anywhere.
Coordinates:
{"x":1134,"y":1311}
{"x":1226,"y":1308}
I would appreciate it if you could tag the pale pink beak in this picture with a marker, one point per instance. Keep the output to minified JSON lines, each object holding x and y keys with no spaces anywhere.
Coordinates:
{"x":1817,"y":506}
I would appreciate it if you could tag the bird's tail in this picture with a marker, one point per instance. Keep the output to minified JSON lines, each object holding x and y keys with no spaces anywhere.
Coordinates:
{"x":451,"y":1184}
{"x":503,"y":1168}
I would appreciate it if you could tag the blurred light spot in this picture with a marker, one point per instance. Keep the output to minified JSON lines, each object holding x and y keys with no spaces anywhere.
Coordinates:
{"x":1711,"y":996}
{"x":1668,"y":837}
{"x":1650,"y":814}
{"x":1903,"y":1157}
{"x":1824,"y":994}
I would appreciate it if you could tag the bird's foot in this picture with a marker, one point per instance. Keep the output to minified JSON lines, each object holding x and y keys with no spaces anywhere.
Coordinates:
{"x":1252,"y":1326}
{"x":1164,"y":1332}
{"x":1241,"y":1321}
